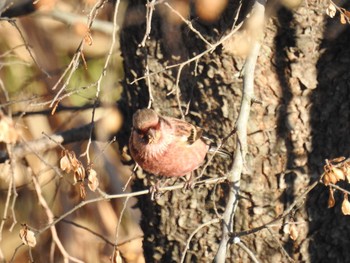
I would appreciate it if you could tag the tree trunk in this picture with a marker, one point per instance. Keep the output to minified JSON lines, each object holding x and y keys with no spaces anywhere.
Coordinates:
{"x":303,"y":119}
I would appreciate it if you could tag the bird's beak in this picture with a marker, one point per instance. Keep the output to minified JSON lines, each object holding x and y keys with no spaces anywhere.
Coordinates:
{"x":151,"y":136}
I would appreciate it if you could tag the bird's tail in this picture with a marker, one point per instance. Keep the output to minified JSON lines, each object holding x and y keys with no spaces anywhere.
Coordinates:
{"x":222,"y":152}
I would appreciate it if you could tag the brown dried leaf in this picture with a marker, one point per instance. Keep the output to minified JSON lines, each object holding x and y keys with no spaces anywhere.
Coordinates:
{"x":331,"y":200}
{"x":88,"y":38}
{"x":345,"y":206}
{"x":79,"y":173}
{"x":65,"y":164}
{"x":342,"y":19}
{"x":27,"y":236}
{"x":69,"y":162}
{"x":329,"y":177}
{"x":73,"y":160}
{"x":338,"y":159}
{"x":331,"y":10}
{"x":347,"y":13}
{"x":293,"y":232}
{"x":82,"y":191}
{"x":117,"y":258}
{"x":93,"y":180}
{"x":338,"y":173}
{"x":346,"y":170}
{"x":326,"y":179}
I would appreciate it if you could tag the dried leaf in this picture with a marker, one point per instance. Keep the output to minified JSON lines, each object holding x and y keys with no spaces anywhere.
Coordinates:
{"x":82,"y":191}
{"x":342,"y":19}
{"x":27,"y":236}
{"x":69,"y":161}
{"x":293,"y":232}
{"x":347,"y":173}
{"x":338,"y":173}
{"x":345,"y":206}
{"x":331,"y":10}
{"x":65,"y":164}
{"x":331,"y":200}
{"x":329,"y":177}
{"x":88,"y":39}
{"x":79,"y":173}
{"x":347,"y":14}
{"x":338,"y":159}
{"x":117,"y":258}
{"x":73,"y":160}
{"x":93,"y":180}
{"x":326,"y":179}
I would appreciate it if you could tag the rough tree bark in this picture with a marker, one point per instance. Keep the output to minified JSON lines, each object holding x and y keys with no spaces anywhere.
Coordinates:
{"x":304,"y":119}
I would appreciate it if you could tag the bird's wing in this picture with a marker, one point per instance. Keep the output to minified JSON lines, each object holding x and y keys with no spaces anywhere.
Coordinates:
{"x":183,"y":130}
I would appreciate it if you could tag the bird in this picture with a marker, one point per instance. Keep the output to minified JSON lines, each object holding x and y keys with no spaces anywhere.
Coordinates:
{"x":167,"y":146}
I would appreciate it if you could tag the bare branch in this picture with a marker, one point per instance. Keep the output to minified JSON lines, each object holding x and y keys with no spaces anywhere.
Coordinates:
{"x":213,"y":221}
{"x":234,"y":175}
{"x":50,"y":217}
{"x":44,"y":144}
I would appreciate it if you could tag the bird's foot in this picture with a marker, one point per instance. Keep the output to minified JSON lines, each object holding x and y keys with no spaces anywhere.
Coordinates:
{"x":189,"y":182}
{"x":154,"y":190}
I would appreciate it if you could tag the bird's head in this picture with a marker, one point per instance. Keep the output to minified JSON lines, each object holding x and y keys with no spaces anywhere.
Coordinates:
{"x":146,"y":124}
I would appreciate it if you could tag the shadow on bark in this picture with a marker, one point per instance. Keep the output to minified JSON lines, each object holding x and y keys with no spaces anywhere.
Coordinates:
{"x":284,"y":39}
{"x":330,"y":124}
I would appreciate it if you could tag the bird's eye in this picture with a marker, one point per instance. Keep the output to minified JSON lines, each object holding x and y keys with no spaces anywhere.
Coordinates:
{"x":141,"y":132}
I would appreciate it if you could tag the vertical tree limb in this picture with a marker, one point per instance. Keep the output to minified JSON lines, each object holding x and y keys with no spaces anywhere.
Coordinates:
{"x":234,"y":175}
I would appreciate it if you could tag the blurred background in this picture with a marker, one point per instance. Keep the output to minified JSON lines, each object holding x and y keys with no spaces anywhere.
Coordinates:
{"x":37,"y":42}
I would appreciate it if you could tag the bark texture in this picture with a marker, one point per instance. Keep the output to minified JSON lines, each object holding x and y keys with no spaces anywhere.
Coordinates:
{"x":302,"y":80}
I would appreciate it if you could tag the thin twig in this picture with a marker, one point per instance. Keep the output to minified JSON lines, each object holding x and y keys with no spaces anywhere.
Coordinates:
{"x":102,"y":75}
{"x":211,"y":222}
{"x":88,"y":230}
{"x":297,"y":201}
{"x":50,"y":217}
{"x":149,"y":14}
{"x":150,"y":89}
{"x":6,"y":207}
{"x":248,"y":251}
{"x":15,"y":194}
{"x":118,"y":225}
{"x":283,"y":250}
{"x":339,"y":188}
{"x":124,"y":195}
{"x":71,"y":19}
{"x":73,"y":65}
{"x":188,"y":23}
{"x":43,"y":144}
{"x":13,"y":23}
{"x":193,"y":59}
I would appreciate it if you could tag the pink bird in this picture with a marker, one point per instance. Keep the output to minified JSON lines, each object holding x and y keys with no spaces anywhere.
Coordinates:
{"x":166,"y":146}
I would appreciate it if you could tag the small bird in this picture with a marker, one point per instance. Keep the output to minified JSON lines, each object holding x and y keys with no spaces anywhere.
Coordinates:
{"x":166,"y":146}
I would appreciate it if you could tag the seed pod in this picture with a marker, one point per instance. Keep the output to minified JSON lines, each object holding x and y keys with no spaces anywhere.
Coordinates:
{"x":331,"y":200}
{"x":293,"y":232}
{"x":345,"y":207}
{"x":339,"y":174}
